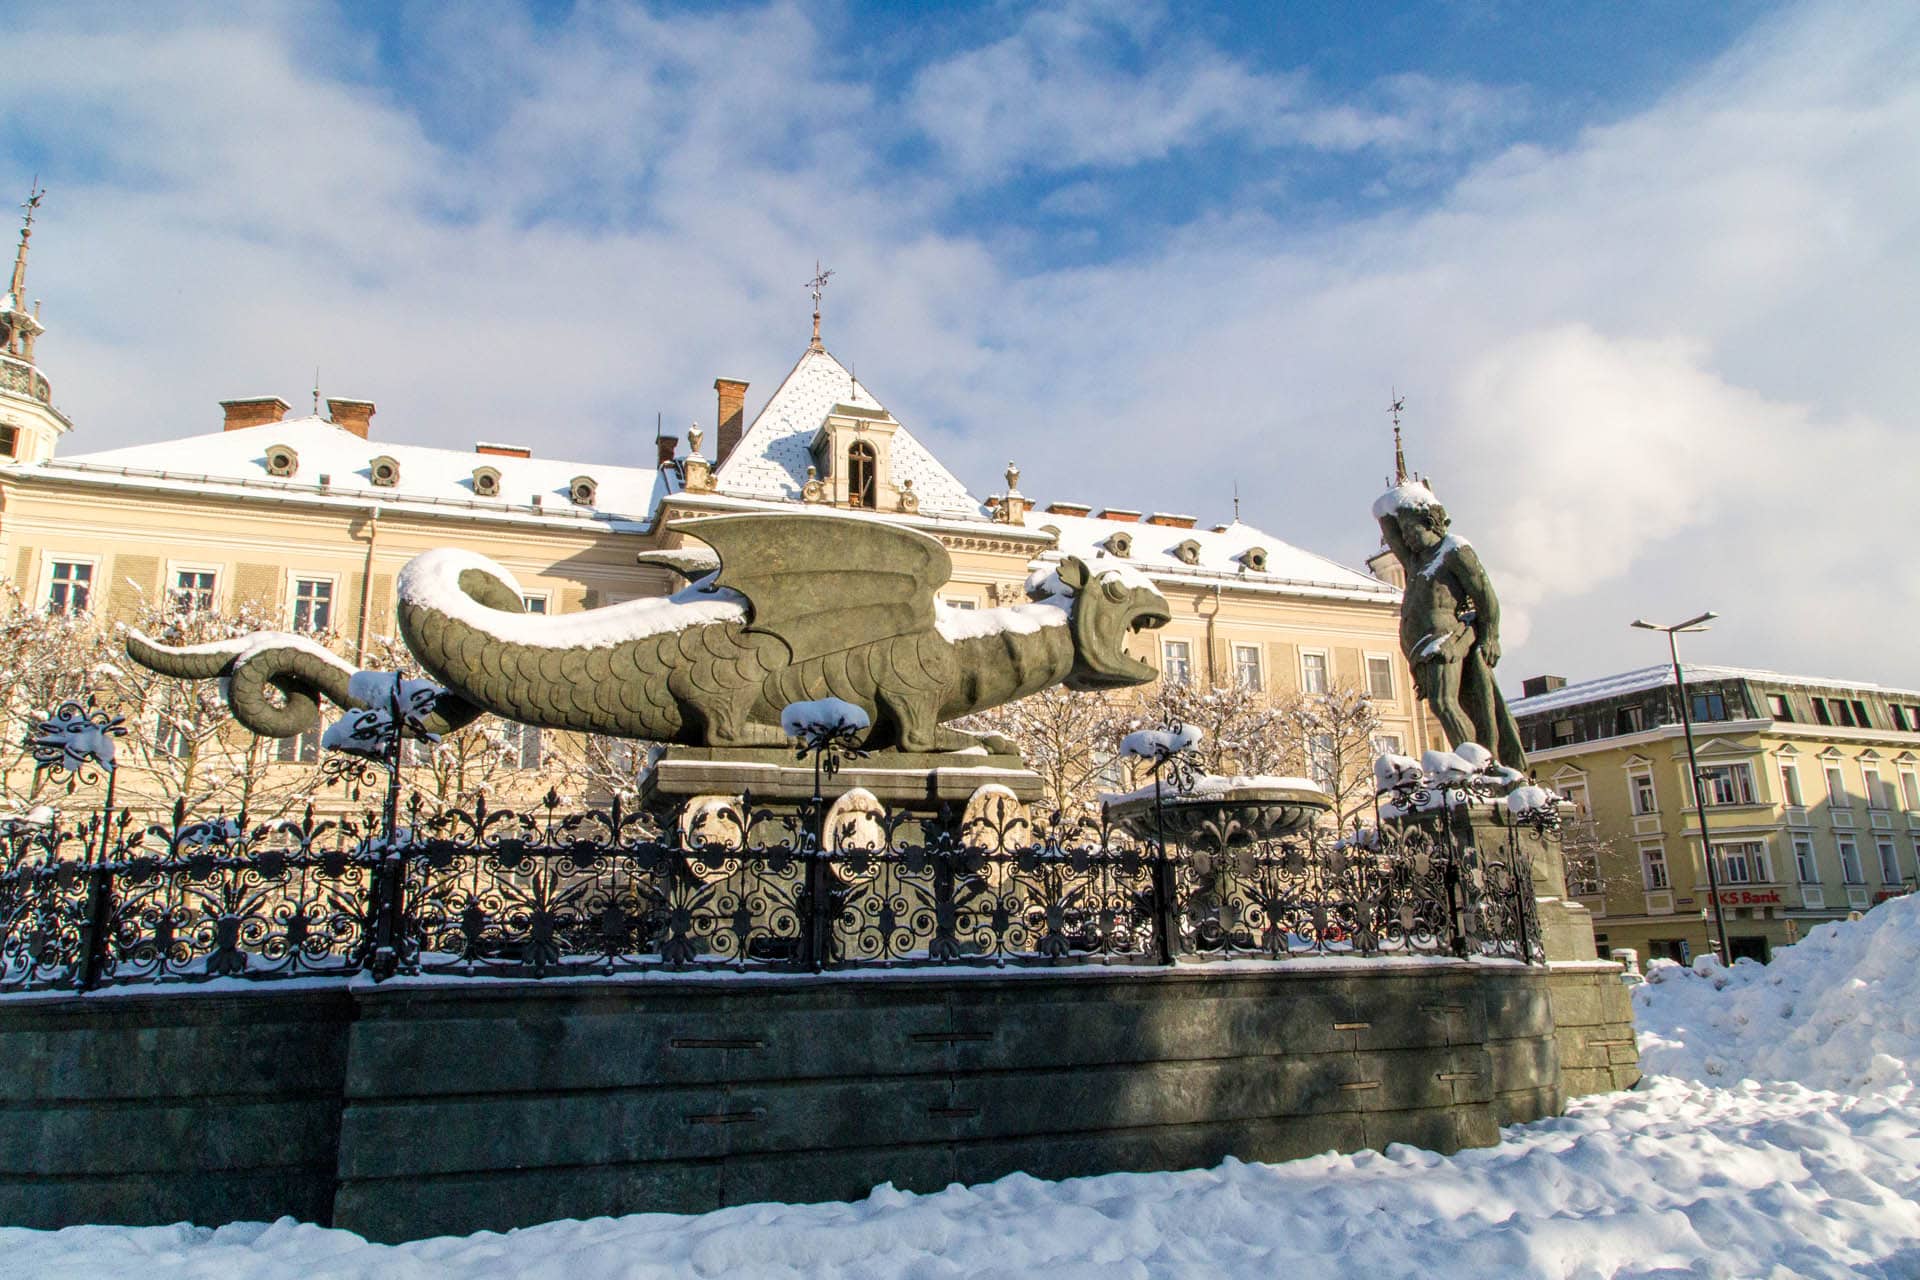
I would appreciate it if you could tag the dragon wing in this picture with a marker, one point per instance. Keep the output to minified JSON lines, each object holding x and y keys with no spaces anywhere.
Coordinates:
{"x":824,"y":583}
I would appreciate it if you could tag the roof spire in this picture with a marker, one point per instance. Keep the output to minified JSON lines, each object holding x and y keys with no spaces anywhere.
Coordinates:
{"x":18,"y":287}
{"x":1399,"y":454}
{"x":815,"y":286}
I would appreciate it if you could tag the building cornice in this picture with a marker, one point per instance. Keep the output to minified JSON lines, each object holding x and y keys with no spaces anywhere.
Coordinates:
{"x":1765,"y":728}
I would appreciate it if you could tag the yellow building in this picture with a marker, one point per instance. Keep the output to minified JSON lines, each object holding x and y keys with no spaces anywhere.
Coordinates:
{"x":1812,"y":789}
{"x":309,"y":519}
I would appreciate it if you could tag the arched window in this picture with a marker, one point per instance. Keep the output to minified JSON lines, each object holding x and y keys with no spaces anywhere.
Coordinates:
{"x":862,"y":473}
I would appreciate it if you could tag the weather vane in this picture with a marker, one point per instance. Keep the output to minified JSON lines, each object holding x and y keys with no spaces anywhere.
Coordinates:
{"x":816,"y":286}
{"x":1399,"y":455}
{"x":37,"y":194}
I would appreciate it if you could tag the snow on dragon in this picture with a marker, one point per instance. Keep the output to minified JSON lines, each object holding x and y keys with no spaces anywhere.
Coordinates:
{"x":797,"y":606}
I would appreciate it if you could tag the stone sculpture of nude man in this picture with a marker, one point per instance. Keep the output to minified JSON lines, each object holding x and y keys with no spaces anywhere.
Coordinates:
{"x":1449,"y":622}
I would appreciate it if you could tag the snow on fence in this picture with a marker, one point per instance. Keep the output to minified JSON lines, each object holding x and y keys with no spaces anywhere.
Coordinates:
{"x":610,"y":890}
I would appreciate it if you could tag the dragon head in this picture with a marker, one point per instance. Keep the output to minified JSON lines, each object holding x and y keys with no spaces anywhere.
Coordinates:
{"x":1106,"y":607}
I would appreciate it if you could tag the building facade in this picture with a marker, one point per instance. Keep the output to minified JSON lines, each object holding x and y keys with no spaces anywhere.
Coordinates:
{"x":1812,"y":792}
{"x":306,"y":521}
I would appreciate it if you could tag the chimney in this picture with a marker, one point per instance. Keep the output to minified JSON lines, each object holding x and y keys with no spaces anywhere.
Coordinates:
{"x":1534,"y":686}
{"x":665,"y":447}
{"x":732,"y":401}
{"x":1121,"y":514}
{"x":254,"y":411}
{"x":1170,"y":521}
{"x":355,"y":415}
{"x":499,"y":450}
{"x":1069,"y":509}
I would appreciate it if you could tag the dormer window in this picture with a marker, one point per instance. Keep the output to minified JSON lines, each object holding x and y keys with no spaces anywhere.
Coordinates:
{"x":582,"y":490}
{"x":282,"y":461}
{"x":1119,"y":544}
{"x":1187,"y":552}
{"x":384,"y":471}
{"x":1255,"y":559}
{"x":486,"y":482}
{"x":863,"y":476}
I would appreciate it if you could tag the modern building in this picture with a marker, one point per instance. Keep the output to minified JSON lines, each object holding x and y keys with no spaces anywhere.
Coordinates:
{"x":309,"y":518}
{"x":1812,"y":792}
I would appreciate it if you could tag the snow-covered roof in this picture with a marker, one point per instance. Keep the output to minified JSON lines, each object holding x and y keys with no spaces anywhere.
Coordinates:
{"x":237,"y":459}
{"x":1221,"y":554}
{"x":772,"y":457}
{"x":1661,"y":677}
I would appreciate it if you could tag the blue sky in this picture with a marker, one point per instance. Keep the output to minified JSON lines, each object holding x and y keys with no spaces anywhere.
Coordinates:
{"x":1643,"y":271}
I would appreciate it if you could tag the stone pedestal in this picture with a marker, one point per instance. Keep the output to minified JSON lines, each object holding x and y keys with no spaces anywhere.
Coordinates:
{"x":915,"y":783}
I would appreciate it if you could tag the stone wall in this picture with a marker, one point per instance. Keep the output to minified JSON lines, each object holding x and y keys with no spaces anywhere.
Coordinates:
{"x":149,"y":1109}
{"x":410,"y":1109}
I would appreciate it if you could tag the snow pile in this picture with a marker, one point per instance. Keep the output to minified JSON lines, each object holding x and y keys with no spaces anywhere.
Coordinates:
{"x":822,"y":717}
{"x":1441,"y":779}
{"x":1158,"y":744}
{"x":1522,"y":801}
{"x":1839,"y":1010}
{"x":1408,"y":495}
{"x":1391,"y":772}
{"x":74,"y":742}
{"x":1019,"y":619}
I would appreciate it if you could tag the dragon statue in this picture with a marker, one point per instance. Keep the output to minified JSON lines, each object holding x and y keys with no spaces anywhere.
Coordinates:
{"x":787,"y":607}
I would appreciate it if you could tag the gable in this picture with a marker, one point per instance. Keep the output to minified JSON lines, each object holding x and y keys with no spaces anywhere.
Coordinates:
{"x":773,"y":455}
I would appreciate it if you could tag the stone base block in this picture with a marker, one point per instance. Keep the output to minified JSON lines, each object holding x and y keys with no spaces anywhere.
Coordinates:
{"x":913,"y":782}
{"x":1593,"y":1028}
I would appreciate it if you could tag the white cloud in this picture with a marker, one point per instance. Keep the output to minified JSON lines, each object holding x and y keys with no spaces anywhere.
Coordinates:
{"x":1077,"y":89}
{"x":1663,"y":367}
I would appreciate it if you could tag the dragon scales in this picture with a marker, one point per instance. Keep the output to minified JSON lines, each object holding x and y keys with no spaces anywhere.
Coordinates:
{"x":801,"y":606}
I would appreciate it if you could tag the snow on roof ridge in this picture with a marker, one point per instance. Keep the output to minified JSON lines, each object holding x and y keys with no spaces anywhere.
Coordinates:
{"x":773,"y":454}
{"x":1219,"y":552}
{"x":431,"y":473}
{"x":1660,"y":675}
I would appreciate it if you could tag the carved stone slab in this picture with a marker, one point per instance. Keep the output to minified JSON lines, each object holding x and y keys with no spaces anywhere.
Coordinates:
{"x":897,"y":779}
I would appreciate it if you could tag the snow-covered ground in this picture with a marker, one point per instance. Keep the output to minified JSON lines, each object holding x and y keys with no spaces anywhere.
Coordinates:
{"x":1777,"y":1134}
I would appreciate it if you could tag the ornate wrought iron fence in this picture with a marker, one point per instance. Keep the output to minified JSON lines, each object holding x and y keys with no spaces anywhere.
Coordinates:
{"x":547,"y":892}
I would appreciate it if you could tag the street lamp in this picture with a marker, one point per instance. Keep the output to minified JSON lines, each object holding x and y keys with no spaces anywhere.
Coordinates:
{"x":1693,"y":762}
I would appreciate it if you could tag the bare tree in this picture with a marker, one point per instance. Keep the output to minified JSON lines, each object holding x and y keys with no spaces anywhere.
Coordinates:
{"x":1244,"y":731}
{"x":50,"y":658}
{"x":601,"y":767}
{"x":1593,"y":865}
{"x":1336,"y":731}
{"x":1067,"y":738}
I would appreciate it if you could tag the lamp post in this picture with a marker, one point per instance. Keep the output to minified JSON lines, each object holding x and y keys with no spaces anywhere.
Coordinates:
{"x":1693,"y":763}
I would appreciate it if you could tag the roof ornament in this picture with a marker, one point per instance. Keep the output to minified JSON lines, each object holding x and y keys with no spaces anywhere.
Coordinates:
{"x":18,"y":286}
{"x":316,"y":391}
{"x":1399,"y":454}
{"x":815,"y":286}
